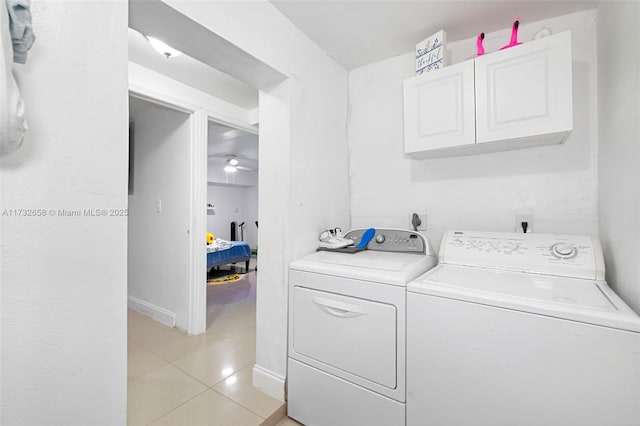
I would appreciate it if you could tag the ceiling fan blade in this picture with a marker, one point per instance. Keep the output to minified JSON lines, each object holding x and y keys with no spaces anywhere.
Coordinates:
{"x":231,"y":156}
{"x":244,"y":169}
{"x":221,"y":155}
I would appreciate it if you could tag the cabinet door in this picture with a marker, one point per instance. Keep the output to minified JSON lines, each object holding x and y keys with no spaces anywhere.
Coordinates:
{"x":525,"y":90}
{"x":439,"y":110}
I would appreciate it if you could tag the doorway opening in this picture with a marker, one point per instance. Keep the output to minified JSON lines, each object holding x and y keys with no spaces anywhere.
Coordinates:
{"x":232,"y":216}
{"x":215,"y":368}
{"x":208,"y":96}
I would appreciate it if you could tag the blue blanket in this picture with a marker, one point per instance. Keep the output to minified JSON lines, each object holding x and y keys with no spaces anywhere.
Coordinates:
{"x":239,"y":252}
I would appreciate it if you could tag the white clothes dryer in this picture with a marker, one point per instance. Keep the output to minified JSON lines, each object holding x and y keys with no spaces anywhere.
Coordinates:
{"x":520,"y":329}
{"x":347,"y":331}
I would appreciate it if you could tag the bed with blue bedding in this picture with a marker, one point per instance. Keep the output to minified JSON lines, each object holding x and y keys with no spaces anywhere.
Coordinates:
{"x":238,"y":252}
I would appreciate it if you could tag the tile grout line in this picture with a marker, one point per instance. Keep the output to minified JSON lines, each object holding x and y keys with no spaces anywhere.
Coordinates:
{"x":180,"y":405}
{"x":151,"y":371}
{"x":237,"y":403}
{"x":208,"y":388}
{"x":171,"y":362}
{"x":238,"y":341}
{"x":212,"y":387}
{"x":147,"y":373}
{"x":216,"y":383}
{"x":194,"y":378}
{"x":142,"y":323}
{"x":229,"y":398}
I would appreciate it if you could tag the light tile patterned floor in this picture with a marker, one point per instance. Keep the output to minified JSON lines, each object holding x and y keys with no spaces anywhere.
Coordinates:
{"x":288,"y":422}
{"x":175,"y":379}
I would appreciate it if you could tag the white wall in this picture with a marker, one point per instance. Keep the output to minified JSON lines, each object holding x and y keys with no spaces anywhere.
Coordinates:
{"x":483,"y":192}
{"x":64,"y":278}
{"x":303,"y":156}
{"x":154,"y":85}
{"x":232,"y":204}
{"x":619,"y":147}
{"x":228,"y":192}
{"x":158,"y":241}
{"x":251,"y":214}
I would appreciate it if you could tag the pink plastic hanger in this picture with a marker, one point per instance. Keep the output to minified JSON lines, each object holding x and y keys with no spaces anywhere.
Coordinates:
{"x":514,"y":35}
{"x":479,"y":44}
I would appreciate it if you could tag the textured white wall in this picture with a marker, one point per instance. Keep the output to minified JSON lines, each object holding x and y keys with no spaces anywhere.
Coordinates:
{"x":230,"y":202}
{"x":240,"y":190}
{"x":619,"y":147}
{"x":64,"y":284}
{"x":233,"y":203}
{"x":482,"y":192}
{"x":303,"y":153}
{"x":154,"y":84}
{"x":158,"y":241}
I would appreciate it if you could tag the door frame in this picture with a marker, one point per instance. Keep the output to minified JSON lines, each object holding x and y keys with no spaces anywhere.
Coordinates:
{"x":200,"y":115}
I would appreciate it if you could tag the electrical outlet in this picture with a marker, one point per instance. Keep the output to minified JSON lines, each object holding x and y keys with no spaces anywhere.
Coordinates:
{"x":423,"y":222}
{"x":520,"y":218}
{"x":158,"y":206}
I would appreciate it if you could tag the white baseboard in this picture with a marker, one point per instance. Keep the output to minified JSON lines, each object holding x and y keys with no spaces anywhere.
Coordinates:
{"x":159,"y":314}
{"x":268,"y":382}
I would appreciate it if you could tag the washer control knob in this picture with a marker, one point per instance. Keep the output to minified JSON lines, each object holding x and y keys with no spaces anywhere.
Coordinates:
{"x":564,"y":250}
{"x":380,"y":238}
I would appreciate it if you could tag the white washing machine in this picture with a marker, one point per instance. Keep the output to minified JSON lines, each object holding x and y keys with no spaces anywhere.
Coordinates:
{"x":347,"y":331}
{"x":520,"y":329}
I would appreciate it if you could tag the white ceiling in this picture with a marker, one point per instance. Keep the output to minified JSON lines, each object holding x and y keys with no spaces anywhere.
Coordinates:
{"x":357,"y":33}
{"x":192,"y":72}
{"x":354,"y":33}
{"x":225,"y":140}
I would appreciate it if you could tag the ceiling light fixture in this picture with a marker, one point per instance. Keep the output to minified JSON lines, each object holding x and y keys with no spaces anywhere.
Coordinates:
{"x":230,"y":166}
{"x":163,"y":48}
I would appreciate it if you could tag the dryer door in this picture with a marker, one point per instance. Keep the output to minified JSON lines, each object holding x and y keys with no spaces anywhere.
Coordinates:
{"x":354,"y":335}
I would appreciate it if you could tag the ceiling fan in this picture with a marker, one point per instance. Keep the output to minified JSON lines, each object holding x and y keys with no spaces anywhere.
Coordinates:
{"x":232,"y":163}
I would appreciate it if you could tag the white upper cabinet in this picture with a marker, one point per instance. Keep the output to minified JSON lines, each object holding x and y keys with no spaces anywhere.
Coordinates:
{"x":439,"y":109}
{"x":514,"y":98}
{"x":525,"y":91}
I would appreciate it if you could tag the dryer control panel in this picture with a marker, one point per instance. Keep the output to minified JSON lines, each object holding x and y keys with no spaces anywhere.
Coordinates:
{"x":576,"y":256}
{"x":395,"y":240}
